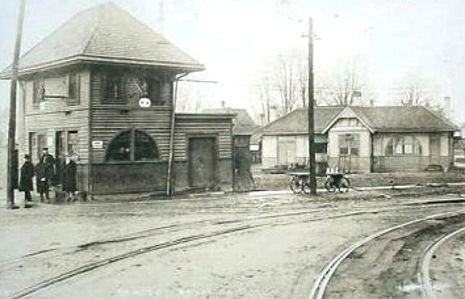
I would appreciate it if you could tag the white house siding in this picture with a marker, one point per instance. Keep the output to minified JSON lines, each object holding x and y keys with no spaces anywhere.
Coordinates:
{"x":361,"y":163}
{"x":269,"y":151}
{"x":411,"y":162}
{"x":286,"y":150}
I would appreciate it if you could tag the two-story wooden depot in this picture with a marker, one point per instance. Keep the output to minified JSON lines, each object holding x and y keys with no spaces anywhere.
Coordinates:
{"x":101,"y":88}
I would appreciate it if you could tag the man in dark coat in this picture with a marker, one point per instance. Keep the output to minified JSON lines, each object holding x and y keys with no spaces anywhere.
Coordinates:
{"x":41,"y":181}
{"x":69,"y":178}
{"x":25,"y":183}
{"x":49,"y":163}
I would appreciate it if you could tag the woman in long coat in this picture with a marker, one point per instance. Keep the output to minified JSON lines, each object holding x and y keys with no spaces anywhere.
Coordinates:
{"x":25,"y":183}
{"x":69,"y":178}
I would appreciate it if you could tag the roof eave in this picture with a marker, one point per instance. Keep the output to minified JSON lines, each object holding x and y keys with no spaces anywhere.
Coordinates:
{"x":414,"y":130}
{"x":180,"y":67}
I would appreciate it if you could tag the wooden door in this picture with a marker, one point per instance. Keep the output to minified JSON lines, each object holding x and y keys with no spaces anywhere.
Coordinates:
{"x":435,"y":149}
{"x":41,"y":143}
{"x":202,"y":161}
{"x":286,"y":151}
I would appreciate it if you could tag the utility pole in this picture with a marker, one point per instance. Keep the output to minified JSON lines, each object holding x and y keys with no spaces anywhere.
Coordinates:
{"x":12,"y":121}
{"x":311,"y":104}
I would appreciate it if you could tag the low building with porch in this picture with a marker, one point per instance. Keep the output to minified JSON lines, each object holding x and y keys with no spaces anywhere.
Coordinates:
{"x":101,"y":88}
{"x":363,"y":139}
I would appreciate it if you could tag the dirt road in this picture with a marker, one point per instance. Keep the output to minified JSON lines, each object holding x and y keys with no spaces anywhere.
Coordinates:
{"x":229,"y":246}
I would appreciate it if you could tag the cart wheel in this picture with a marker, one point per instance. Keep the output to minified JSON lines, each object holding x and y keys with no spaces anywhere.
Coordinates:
{"x":344,"y":185}
{"x":295,"y":185}
{"x":329,"y":185}
{"x":306,"y":188}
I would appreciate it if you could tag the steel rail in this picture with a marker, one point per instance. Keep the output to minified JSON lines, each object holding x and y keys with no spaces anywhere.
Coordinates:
{"x":323,"y":279}
{"x":424,"y":276}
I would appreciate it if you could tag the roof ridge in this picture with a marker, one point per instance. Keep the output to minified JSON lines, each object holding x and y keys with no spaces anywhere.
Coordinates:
{"x":94,"y":30}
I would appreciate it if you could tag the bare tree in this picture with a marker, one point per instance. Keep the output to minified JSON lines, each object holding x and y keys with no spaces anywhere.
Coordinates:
{"x":190,"y":97}
{"x":283,"y":83}
{"x":412,"y":96}
{"x":345,"y":86}
{"x":265,"y":94}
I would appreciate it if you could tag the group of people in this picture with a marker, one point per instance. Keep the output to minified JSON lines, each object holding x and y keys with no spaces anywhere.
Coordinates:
{"x":46,"y":176}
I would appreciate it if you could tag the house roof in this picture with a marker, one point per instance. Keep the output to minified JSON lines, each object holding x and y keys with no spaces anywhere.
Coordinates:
{"x":403,"y":119}
{"x":377,"y":119}
{"x":296,"y":122}
{"x":243,"y":123}
{"x":107,"y":34}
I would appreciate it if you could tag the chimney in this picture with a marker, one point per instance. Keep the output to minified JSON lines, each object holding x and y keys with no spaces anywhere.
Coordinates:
{"x":223,"y":104}
{"x":372,"y":103}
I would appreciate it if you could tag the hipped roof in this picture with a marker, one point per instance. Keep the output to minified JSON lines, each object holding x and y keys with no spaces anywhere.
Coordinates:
{"x":296,"y":122}
{"x":104,"y":34}
{"x":243,"y":123}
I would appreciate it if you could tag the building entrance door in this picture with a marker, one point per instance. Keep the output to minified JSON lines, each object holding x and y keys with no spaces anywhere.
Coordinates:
{"x":202,"y":161}
{"x":435,"y":148}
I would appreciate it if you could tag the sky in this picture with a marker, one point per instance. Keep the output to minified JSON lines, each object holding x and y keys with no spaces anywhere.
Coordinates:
{"x":394,"y":41}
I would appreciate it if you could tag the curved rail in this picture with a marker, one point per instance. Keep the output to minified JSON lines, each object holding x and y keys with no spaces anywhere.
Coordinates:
{"x":424,"y":275}
{"x":322,"y":281}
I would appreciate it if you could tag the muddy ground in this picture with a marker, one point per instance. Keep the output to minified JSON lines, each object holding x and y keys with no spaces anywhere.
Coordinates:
{"x":248,"y":245}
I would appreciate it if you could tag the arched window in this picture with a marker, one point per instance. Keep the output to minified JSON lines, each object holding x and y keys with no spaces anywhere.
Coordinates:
{"x":132,"y":145}
{"x":405,"y":145}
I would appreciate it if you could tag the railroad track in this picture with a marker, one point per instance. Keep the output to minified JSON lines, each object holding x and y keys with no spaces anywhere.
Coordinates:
{"x":425,"y":264}
{"x":237,"y":226}
{"x":320,"y":286}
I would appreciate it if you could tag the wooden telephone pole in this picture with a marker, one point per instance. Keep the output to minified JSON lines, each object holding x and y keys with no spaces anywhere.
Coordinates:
{"x":311,"y":104}
{"x":12,"y":121}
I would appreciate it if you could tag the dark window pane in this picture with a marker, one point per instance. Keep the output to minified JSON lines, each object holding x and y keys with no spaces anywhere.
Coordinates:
{"x":145,"y":148}
{"x":343,"y":151}
{"x":154,"y":91}
{"x":354,"y":151}
{"x":72,"y":86}
{"x":120,"y":148}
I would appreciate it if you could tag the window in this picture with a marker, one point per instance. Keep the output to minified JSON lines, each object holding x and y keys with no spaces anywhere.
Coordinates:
{"x":154,"y":90}
{"x":38,"y":87}
{"x":132,"y":145}
{"x":114,"y":89}
{"x":405,"y":145}
{"x":349,"y":144}
{"x":73,"y":88}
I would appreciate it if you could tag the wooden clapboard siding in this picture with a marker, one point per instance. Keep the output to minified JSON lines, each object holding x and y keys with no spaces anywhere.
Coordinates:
{"x":49,"y":123}
{"x":203,"y":125}
{"x":107,"y":123}
{"x":56,"y":91}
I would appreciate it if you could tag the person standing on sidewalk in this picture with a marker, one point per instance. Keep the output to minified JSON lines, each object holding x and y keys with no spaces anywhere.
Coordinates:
{"x":41,"y":181}
{"x":25,"y":183}
{"x":69,"y":178}
{"x":49,"y":162}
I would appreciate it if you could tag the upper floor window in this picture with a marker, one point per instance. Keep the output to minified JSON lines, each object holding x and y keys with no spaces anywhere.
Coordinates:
{"x":114,"y":89}
{"x":73,"y":88}
{"x":132,"y":145}
{"x":349,"y":144}
{"x":406,"y":145}
{"x":154,"y":90}
{"x":38,"y":87}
